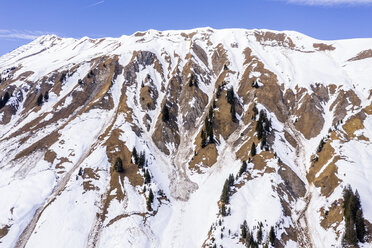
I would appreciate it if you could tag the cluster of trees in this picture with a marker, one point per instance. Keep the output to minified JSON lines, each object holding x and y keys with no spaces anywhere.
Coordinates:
{"x":141,"y":162}
{"x":263,"y":128}
{"x":249,"y":239}
{"x":41,"y":98}
{"x":207,"y":136}
{"x":232,"y":101}
{"x":354,"y":221}
{"x":4,"y":99}
{"x":193,"y":81}
{"x":225,"y":196}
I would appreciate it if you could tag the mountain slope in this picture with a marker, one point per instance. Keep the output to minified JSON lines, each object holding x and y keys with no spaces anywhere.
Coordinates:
{"x":191,"y":104}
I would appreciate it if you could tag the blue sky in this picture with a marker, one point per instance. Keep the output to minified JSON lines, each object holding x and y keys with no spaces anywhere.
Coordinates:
{"x":23,"y":20}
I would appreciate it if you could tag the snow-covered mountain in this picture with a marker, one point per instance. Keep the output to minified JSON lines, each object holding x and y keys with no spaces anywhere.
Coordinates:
{"x":194,"y":138}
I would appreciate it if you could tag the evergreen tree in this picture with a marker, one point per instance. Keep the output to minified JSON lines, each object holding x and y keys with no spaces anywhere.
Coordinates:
{"x":259,"y":233}
{"x":231,"y":180}
{"x":253,"y":149}
{"x":223,"y":210}
{"x":149,"y":201}
{"x":147,"y":177}
{"x":248,"y":238}
{"x":4,"y":99}
{"x":346,"y":195}
{"x":219,"y":89}
{"x":165,"y":113}
{"x":135,"y":155}
{"x":210,"y":114}
{"x":259,"y":129}
{"x":151,"y":196}
{"x":230,"y":95}
{"x":141,"y":160}
{"x":209,"y":127}
{"x":225,"y":192}
{"x":350,"y":236}
{"x":263,"y":142}
{"x":243,"y":168}
{"x":203,"y":139}
{"x":255,"y":112}
{"x":354,"y":221}
{"x":243,"y":229}
{"x":272,"y":236}
{"x":233,"y":113}
{"x":118,"y":167}
{"x":46,"y":96}
{"x":267,"y":125}
{"x":359,"y":225}
{"x":193,"y":81}
{"x":40,"y":100}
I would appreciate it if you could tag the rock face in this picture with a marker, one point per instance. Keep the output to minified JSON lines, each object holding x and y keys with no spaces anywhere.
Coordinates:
{"x":184,"y":139}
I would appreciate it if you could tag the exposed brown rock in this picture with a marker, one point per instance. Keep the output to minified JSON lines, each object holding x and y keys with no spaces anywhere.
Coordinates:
{"x":202,"y":55}
{"x":310,"y":117}
{"x":362,"y":55}
{"x":344,"y":100}
{"x":280,"y":38}
{"x":292,"y":182}
{"x":219,"y":59}
{"x":323,"y":47}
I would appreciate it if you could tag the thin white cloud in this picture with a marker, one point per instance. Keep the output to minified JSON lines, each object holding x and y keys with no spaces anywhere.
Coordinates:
{"x":331,"y":2}
{"x":20,"y":34}
{"x":95,"y":4}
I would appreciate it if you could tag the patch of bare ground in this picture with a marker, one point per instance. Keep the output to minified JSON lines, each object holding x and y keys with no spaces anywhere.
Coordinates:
{"x":353,"y":124}
{"x":368,"y":109}
{"x":50,"y":156}
{"x":115,"y":148}
{"x":333,"y":216}
{"x":88,"y":176}
{"x":205,"y":157}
